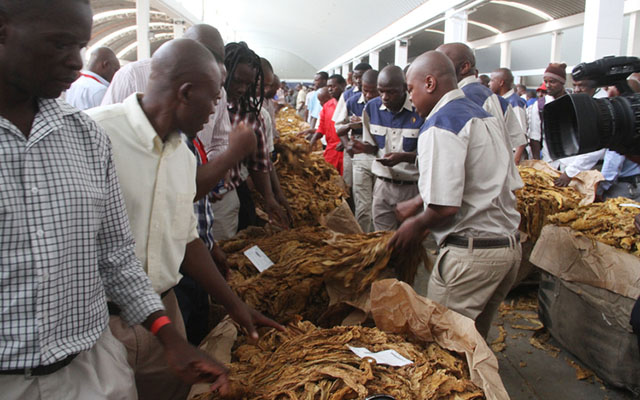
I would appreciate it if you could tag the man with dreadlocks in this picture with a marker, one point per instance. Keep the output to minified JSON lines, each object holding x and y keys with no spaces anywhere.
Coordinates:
{"x":245,"y":93}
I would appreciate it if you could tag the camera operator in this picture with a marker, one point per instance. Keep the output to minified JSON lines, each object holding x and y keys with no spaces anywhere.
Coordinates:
{"x":572,"y":166}
{"x":622,"y":176}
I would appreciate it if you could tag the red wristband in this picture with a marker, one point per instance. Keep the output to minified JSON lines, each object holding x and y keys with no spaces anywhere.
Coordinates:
{"x":159,"y":323}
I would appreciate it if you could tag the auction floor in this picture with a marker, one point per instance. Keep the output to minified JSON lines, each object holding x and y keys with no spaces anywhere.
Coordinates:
{"x":532,"y":365}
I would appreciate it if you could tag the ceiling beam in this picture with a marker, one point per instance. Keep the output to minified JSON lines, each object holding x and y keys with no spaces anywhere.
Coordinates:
{"x":176,"y":11}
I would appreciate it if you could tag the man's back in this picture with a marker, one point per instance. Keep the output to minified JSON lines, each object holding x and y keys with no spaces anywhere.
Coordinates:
{"x":132,"y":78}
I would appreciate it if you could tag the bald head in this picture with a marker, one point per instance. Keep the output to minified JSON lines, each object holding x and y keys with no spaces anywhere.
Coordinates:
{"x":391,"y":75}
{"x":501,"y":81}
{"x":209,"y":37}
{"x":462,"y":57}
{"x":103,"y":61}
{"x":185,"y":82}
{"x":323,"y":95}
{"x":431,"y":76}
{"x":370,"y":77}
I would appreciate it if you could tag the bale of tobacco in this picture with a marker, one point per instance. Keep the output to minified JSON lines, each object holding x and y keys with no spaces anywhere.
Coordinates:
{"x":306,"y":362}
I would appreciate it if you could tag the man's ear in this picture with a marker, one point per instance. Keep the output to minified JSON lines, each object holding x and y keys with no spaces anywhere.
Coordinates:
{"x":184,"y":92}
{"x":430,"y":83}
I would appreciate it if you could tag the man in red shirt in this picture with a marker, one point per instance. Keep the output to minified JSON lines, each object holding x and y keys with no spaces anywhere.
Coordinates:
{"x":329,"y":100}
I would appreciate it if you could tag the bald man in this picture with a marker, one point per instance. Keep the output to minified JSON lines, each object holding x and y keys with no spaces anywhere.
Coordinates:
{"x":158,"y":177}
{"x":465,"y":63}
{"x":467,"y":193}
{"x":90,"y":87}
{"x":390,"y":127}
{"x":501,"y":84}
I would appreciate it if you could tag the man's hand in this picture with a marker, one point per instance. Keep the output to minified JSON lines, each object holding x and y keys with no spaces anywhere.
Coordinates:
{"x":563,"y":180}
{"x":248,"y":318}
{"x":391,"y":159}
{"x":306,"y":133}
{"x":360,"y":147}
{"x":409,"y":235}
{"x":276,"y":214}
{"x":340,"y":147}
{"x":409,"y":208}
{"x":242,"y":140}
{"x":636,"y":222}
{"x":355,"y":122}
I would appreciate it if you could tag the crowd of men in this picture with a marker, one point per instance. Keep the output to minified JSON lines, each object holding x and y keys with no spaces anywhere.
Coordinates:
{"x":110,"y":216}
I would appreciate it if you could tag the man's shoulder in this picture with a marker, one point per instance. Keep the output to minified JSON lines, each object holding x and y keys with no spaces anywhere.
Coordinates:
{"x":455,"y":115}
{"x":108,"y":112}
{"x":78,"y":120}
{"x":477,"y":92}
{"x":373,"y":104}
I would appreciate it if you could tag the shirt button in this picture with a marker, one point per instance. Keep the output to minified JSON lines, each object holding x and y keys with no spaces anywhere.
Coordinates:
{"x":40,"y":233}
{"x":34,"y":190}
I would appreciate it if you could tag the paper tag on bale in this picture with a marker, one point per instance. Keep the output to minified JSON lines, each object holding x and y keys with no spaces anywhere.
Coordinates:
{"x":257,"y":257}
{"x":388,"y":357}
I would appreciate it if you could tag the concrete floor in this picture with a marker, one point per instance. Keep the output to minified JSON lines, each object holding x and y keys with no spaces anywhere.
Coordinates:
{"x":531,"y":373}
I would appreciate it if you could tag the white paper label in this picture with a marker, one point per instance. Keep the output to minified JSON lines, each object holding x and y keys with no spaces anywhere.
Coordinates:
{"x":629,"y":205}
{"x":258,"y":258}
{"x":388,"y":357}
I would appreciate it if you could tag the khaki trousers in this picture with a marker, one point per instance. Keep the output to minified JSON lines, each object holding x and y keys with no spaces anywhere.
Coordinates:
{"x":145,"y":354}
{"x":100,"y":373}
{"x":347,"y":169}
{"x":473,"y":282}
{"x":385,"y":197}
{"x":363,"y":182}
{"x":225,"y":216}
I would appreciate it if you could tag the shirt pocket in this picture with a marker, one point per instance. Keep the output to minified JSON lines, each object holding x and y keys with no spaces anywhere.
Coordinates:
{"x":182,"y":214}
{"x":410,"y":140}
{"x":380,"y":138}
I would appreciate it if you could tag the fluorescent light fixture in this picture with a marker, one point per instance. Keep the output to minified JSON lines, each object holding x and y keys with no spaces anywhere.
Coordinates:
{"x":129,"y":47}
{"x":485,"y":26}
{"x":124,"y":31}
{"x":123,"y":11}
{"x":524,"y":7}
{"x":434,"y":31}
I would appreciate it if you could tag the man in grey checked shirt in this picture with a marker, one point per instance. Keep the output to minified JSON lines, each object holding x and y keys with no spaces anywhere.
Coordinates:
{"x":65,"y":242}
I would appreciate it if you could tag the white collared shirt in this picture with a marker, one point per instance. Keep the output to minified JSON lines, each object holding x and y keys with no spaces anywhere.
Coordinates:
{"x":158,"y":181}
{"x":87,"y":91}
{"x":463,"y":163}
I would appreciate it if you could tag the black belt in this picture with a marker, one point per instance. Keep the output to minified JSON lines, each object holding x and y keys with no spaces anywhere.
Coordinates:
{"x":480,"y":243}
{"x":41,"y":370}
{"x":114,"y":309}
{"x":396,"y":181}
{"x":634,"y":179}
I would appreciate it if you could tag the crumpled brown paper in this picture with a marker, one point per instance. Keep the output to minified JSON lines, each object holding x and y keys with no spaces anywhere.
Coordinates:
{"x":341,"y":220}
{"x":575,"y":258}
{"x":397,"y":308}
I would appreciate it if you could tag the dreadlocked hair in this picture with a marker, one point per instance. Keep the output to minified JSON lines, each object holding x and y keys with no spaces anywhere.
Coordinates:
{"x":239,"y":53}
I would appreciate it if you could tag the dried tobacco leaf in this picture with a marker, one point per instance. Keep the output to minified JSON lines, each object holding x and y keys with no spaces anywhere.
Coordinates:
{"x":608,"y":222}
{"x":306,"y":362}
{"x":540,"y":198}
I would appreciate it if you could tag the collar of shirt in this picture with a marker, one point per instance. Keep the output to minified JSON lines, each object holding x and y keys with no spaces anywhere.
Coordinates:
{"x":144,"y":131}
{"x":449,"y":96}
{"x":48,"y":118}
{"x":407,"y":104}
{"x":361,"y":99}
{"x":464,"y":82}
{"x":508,"y":94}
{"x":96,"y":76}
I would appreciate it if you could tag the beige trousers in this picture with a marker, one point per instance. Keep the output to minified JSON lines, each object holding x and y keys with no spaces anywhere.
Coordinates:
{"x":473,"y":282}
{"x":347,"y":169}
{"x":363,"y":181}
{"x":154,"y":380}
{"x":225,"y":216}
{"x":385,"y":197}
{"x":100,"y":373}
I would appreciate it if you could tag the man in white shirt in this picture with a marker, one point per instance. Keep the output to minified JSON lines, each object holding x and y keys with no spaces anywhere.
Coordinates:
{"x":90,"y":87}
{"x":469,"y":205}
{"x":158,"y":177}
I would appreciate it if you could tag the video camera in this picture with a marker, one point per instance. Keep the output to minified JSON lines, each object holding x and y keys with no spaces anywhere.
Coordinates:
{"x":577,"y":123}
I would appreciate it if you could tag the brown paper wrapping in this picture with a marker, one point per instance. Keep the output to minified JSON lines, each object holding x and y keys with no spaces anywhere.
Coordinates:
{"x":341,"y":220}
{"x":573,"y":257}
{"x":585,"y":182}
{"x":397,"y":308}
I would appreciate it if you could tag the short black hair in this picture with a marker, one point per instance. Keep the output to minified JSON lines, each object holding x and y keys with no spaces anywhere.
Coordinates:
{"x":339,"y":78}
{"x":323,"y":75}
{"x":362,"y":67}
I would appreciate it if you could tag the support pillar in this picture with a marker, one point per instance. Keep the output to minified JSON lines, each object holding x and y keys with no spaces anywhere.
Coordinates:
{"x":505,"y":55}
{"x":455,"y":26}
{"x":402,"y":54}
{"x":374,"y":59}
{"x":602,"y":29}
{"x":143,"y":16}
{"x":345,"y":71}
{"x":556,"y":47}
{"x":178,"y":28}
{"x":633,"y":41}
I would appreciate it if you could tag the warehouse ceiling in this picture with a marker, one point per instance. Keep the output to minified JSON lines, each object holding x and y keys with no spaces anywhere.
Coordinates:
{"x":299,"y":37}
